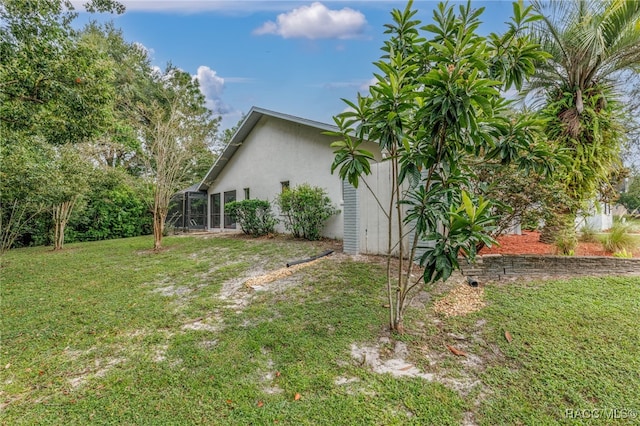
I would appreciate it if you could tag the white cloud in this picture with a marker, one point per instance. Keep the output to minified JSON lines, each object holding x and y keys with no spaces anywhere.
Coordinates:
{"x":316,"y":21}
{"x":149,"y":52}
{"x":212,"y":86}
{"x":348,"y":108}
{"x":364,"y":87}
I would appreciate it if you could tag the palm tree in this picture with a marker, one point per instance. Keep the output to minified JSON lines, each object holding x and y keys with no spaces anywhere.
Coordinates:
{"x":595,"y":52}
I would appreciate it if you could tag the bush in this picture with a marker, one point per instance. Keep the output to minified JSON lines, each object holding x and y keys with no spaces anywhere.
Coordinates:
{"x":631,"y":198}
{"x":618,"y":239}
{"x":306,"y":209}
{"x":623,"y":254}
{"x":114,"y":208}
{"x":566,"y":242}
{"x":254,"y":216}
{"x":588,"y":234}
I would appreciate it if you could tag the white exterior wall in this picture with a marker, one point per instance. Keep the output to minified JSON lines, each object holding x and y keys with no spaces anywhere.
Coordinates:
{"x":600,"y":218}
{"x":374,"y":234}
{"x":275,"y":151}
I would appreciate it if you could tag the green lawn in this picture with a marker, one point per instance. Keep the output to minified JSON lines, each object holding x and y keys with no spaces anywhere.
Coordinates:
{"x":109,"y":332}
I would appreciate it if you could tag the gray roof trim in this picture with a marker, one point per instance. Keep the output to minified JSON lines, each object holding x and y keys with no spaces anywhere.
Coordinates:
{"x":193,"y":188}
{"x":238,"y":138}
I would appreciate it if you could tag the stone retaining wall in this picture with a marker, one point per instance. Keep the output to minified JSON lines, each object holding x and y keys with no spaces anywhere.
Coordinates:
{"x":506,"y":267}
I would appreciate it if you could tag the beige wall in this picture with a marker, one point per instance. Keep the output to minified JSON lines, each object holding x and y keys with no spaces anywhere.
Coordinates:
{"x":277,"y":150}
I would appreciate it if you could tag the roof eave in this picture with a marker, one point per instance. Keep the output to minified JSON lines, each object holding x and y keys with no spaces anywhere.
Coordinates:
{"x":253,"y":116}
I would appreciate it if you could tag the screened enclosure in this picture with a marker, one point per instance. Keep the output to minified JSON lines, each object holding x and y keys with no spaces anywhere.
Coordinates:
{"x":188,"y":210}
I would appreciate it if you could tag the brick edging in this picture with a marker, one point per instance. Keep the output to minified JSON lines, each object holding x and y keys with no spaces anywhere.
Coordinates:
{"x":502,"y":266}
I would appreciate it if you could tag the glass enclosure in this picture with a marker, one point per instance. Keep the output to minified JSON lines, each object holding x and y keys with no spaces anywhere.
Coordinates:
{"x":188,"y":211}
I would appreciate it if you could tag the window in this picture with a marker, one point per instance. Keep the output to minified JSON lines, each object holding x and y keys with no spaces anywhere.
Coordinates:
{"x":229,"y":196}
{"x":215,"y":210}
{"x":246,"y":194}
{"x":284,"y":186}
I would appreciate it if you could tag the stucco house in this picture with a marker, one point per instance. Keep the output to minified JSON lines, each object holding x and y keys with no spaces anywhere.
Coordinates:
{"x":272,"y":151}
{"x":269,"y":152}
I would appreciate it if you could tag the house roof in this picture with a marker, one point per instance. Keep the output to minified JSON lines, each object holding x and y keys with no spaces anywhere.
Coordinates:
{"x":193,"y":188}
{"x":238,"y":138}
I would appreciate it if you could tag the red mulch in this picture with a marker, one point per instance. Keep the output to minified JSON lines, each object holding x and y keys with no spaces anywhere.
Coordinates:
{"x":528,"y":243}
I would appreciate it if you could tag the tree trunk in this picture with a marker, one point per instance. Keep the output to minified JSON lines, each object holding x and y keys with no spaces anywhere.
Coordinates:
{"x":12,"y":223}
{"x":61,"y":214}
{"x":550,"y":232}
{"x":159,"y":217}
{"x":556,"y":225}
{"x":158,"y":228}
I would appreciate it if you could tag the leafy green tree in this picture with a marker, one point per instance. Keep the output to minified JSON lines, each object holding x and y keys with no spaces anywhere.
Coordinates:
{"x":593,"y":47}
{"x":435,"y":110}
{"x":54,"y":90}
{"x":118,"y":145}
{"x":23,"y":183}
{"x":519,"y":198}
{"x":225,"y":136}
{"x":52,"y":85}
{"x":175,"y":126}
{"x":630,"y":198}
{"x":114,"y":208}
{"x":66,"y":185}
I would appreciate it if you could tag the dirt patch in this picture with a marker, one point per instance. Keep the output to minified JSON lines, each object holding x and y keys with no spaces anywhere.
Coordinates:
{"x":339,"y":381}
{"x":171,"y":290}
{"x":235,"y":294}
{"x":211,"y":323}
{"x":100,"y":369}
{"x":208,"y":344}
{"x":269,"y":376}
{"x":461,"y":300}
{"x":396,"y":366}
{"x":239,"y":292}
{"x":160,"y":353}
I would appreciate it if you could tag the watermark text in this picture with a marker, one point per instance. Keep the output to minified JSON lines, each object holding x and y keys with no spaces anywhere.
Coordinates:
{"x":602,"y":413}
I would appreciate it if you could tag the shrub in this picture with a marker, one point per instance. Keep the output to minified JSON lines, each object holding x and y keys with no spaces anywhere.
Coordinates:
{"x":566,"y":242}
{"x":623,"y":254}
{"x":114,"y":208}
{"x":619,"y":239}
{"x":306,"y":209}
{"x":588,"y":234}
{"x":254,"y":216}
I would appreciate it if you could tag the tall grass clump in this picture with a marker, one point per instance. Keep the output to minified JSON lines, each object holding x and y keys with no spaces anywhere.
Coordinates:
{"x":566,"y":242}
{"x":588,"y":234}
{"x":619,"y":239}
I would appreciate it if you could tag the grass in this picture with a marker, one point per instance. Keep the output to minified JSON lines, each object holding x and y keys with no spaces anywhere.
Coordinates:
{"x":588,"y":234}
{"x":619,"y":238}
{"x":110,"y":333}
{"x":574,"y":348}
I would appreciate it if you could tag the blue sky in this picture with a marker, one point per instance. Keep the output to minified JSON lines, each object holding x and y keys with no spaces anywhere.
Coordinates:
{"x":294,"y":57}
